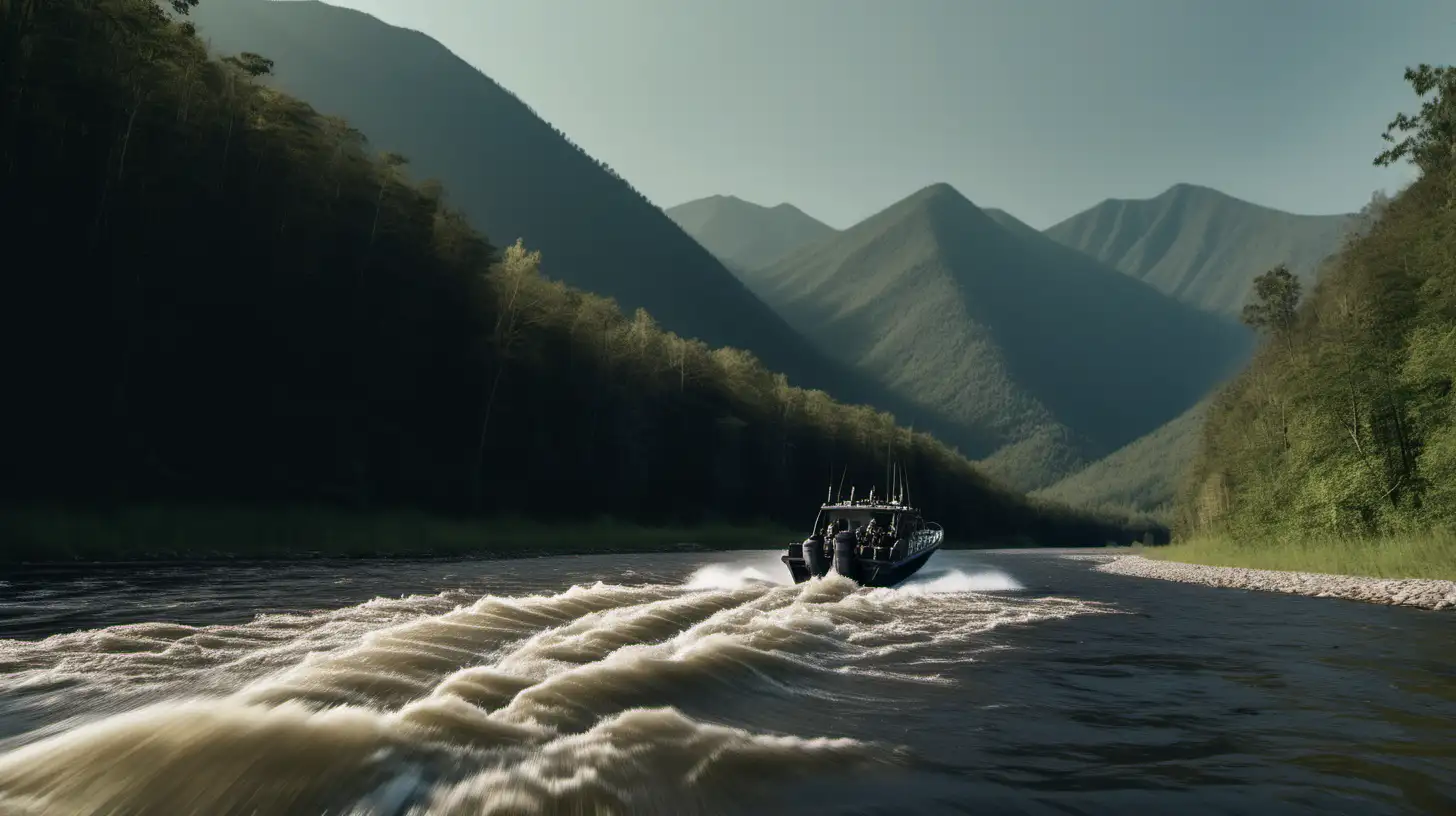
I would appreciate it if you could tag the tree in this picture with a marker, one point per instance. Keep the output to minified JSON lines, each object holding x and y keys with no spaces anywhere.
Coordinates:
{"x":1276,"y":294}
{"x":1434,"y":141}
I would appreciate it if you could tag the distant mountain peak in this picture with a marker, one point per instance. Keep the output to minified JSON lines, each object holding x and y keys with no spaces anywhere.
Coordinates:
{"x":1200,"y":245}
{"x":745,"y":235}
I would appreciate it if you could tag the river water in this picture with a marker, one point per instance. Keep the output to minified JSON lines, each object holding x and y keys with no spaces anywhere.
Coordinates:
{"x":993,"y":682}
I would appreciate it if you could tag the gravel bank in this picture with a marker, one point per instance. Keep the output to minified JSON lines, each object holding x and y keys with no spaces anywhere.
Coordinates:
{"x":1423,"y":593}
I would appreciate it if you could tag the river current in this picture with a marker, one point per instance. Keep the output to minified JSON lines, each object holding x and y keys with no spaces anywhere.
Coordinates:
{"x":992,"y":682}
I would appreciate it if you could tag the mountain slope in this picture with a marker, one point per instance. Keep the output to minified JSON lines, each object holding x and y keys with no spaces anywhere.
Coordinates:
{"x":1003,"y":338}
{"x":512,"y":174}
{"x":1199,"y":245}
{"x":262,"y":312}
{"x":1143,"y":475}
{"x":746,"y":235}
{"x":1011,"y":223}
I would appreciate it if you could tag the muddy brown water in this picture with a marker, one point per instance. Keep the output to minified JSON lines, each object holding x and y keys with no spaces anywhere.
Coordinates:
{"x":992,"y":682}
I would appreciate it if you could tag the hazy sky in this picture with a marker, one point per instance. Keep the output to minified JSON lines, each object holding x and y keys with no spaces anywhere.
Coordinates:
{"x":1040,"y":107}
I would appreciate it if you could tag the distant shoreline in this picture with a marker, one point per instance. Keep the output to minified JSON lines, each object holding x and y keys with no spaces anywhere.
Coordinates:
{"x":1422,"y":593}
{"x":161,"y":534}
{"x":174,"y":535}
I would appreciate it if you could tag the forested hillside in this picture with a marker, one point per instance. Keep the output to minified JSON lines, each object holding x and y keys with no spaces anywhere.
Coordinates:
{"x":1140,"y":477}
{"x":1026,"y":354}
{"x":216,"y":292}
{"x":1345,"y":422}
{"x":1199,"y":245}
{"x":513,"y":175}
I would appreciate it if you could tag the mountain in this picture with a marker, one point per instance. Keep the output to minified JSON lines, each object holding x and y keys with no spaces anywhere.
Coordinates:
{"x":1344,"y":426}
{"x":1143,"y":475}
{"x":263,"y":313}
{"x":1199,"y":245}
{"x":1011,"y":223}
{"x":1027,"y":354}
{"x":512,"y":174}
{"x":745,"y":235}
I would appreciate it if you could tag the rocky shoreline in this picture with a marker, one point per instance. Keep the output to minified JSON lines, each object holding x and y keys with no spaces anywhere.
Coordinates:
{"x":1417,"y":592}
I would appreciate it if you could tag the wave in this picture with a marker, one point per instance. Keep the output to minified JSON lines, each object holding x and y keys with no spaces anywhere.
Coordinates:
{"x":601,"y":698}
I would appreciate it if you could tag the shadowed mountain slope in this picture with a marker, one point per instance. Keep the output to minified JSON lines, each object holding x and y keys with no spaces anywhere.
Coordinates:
{"x":745,"y":235}
{"x":1023,"y":351}
{"x":1011,"y":223}
{"x":513,"y":175}
{"x":1143,"y":475}
{"x":1199,"y":245}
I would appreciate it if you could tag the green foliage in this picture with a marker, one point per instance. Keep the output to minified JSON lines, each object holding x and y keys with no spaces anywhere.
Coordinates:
{"x":1346,"y":429}
{"x":1028,"y":356}
{"x":1433,"y":129}
{"x":1275,"y":302}
{"x":221,"y":294}
{"x":1142,"y":476}
{"x":513,"y":175}
{"x":1430,"y":554}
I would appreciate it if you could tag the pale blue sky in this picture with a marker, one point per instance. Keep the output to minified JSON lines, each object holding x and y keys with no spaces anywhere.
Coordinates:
{"x":1040,"y":107}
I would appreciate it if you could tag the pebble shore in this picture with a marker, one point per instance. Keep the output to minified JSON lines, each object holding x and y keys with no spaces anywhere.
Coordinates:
{"x":1417,"y":592}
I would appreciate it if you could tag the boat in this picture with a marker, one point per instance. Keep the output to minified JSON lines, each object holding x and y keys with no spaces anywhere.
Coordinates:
{"x":874,"y":542}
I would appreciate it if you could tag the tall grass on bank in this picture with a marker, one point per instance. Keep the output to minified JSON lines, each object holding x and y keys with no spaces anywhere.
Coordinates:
{"x":209,"y":532}
{"x":1422,"y":555}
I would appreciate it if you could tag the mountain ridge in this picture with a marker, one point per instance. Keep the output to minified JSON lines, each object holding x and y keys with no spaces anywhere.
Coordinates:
{"x":743,"y":234}
{"x":514,"y":175}
{"x":1201,"y":245}
{"x":940,"y":302}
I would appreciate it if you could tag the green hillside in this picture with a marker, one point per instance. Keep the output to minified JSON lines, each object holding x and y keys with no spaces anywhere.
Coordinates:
{"x":1199,"y":245}
{"x":1003,"y":338}
{"x":745,"y":235}
{"x":1142,"y":476}
{"x":512,"y":174}
{"x":1344,"y":424}
{"x":218,"y":294}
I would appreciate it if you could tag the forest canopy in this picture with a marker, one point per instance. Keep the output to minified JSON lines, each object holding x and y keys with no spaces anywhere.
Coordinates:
{"x":218,"y":292}
{"x":1345,"y":422}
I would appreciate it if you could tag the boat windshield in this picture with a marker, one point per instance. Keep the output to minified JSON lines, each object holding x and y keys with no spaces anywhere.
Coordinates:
{"x":855,"y":519}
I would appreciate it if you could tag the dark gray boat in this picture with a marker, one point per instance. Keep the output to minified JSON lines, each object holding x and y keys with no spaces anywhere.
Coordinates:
{"x":876,"y":543}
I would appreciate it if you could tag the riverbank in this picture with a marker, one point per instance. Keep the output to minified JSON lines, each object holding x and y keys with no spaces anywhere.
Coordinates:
{"x":1427,"y":555}
{"x":156,"y":533}
{"x":1424,"y":593}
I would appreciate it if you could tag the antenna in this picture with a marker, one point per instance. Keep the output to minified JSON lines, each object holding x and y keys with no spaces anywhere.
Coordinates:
{"x":840,"y":492}
{"x":889,"y":447}
{"x":851,"y":494}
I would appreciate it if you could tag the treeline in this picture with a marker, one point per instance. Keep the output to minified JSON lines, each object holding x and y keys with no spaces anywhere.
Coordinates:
{"x":1345,"y":423}
{"x":212,"y":291}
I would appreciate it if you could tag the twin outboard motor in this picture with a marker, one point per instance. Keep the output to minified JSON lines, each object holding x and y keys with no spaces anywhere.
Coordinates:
{"x":814,"y":557}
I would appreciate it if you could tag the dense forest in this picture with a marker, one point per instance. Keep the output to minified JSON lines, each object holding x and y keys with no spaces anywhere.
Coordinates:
{"x":1345,"y":422}
{"x":217,"y":293}
{"x":515,"y":176}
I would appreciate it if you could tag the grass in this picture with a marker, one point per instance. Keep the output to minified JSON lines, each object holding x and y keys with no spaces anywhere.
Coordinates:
{"x":224,"y":532}
{"x":1428,"y":555}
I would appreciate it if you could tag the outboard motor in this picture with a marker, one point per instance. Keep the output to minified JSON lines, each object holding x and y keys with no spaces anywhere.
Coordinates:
{"x":845,"y":562}
{"x":814,"y":557}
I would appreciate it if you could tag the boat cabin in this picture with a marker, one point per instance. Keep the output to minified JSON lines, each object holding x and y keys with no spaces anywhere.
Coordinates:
{"x":879,"y":527}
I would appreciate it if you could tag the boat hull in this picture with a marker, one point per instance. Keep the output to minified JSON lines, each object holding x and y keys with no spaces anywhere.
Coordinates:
{"x":866,"y":573}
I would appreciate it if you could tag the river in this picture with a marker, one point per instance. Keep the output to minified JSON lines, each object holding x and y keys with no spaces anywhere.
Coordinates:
{"x":993,"y":682}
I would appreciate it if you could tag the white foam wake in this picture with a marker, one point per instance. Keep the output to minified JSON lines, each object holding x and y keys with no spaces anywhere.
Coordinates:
{"x":575,"y":700}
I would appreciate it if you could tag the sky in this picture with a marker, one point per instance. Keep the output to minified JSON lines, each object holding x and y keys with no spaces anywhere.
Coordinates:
{"x":1040,"y":107}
